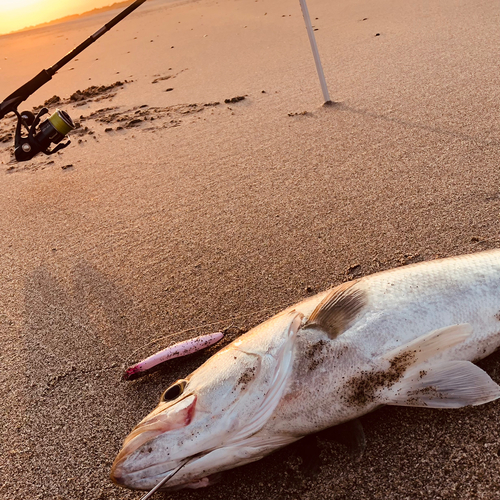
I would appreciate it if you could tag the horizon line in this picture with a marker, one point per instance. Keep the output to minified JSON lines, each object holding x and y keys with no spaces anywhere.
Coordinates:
{"x":58,"y":20}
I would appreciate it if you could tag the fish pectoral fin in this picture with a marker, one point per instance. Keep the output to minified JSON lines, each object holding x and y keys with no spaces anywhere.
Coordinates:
{"x":338,"y":309}
{"x":350,"y":434}
{"x":308,"y":451}
{"x":452,"y":384}
{"x":426,"y":346}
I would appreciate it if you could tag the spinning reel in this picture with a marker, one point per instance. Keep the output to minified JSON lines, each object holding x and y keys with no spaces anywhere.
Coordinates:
{"x":39,"y":138}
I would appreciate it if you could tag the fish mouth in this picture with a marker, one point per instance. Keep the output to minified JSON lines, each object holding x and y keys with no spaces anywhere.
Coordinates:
{"x":163,"y":419}
{"x":198,"y":470}
{"x":146,"y":478}
{"x":149,"y":477}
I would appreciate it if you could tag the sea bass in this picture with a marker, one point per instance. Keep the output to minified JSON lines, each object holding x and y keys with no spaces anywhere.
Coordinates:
{"x":406,"y":336}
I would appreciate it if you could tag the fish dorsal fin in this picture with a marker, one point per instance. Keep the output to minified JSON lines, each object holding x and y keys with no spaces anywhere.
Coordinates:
{"x":337,"y":310}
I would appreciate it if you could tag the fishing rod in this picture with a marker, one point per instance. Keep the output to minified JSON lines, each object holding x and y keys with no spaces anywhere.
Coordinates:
{"x":54,"y":129}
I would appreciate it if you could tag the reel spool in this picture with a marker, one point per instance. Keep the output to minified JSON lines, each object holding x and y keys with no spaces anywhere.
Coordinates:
{"x":39,"y":138}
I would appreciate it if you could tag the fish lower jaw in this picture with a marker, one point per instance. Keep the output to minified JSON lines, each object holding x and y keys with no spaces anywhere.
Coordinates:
{"x":194,"y":484}
{"x":126,"y":475}
{"x":199,"y":483}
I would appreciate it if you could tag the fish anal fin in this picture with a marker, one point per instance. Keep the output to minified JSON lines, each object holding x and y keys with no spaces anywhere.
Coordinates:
{"x":338,"y":309}
{"x":452,"y":384}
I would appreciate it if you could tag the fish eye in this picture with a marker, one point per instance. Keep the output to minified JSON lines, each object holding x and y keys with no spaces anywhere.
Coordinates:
{"x":174,"y":391}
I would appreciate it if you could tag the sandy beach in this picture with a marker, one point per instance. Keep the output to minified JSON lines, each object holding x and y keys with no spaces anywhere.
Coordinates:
{"x":175,"y":210}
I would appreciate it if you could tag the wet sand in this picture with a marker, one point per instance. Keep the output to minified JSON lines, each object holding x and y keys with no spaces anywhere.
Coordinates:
{"x":174,"y":209}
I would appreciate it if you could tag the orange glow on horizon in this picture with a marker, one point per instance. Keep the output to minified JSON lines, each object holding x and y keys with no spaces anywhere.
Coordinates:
{"x":19,"y":14}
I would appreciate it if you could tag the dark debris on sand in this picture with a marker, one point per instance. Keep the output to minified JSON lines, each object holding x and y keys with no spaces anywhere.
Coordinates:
{"x":233,"y":100}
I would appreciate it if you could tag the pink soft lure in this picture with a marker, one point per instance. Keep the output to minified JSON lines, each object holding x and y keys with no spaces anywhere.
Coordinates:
{"x":174,"y":351}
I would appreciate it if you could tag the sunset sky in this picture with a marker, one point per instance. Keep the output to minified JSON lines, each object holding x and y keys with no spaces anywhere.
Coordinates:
{"x":18,"y":14}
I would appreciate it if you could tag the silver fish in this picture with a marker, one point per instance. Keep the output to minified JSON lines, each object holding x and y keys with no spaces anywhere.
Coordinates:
{"x":404,"y":337}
